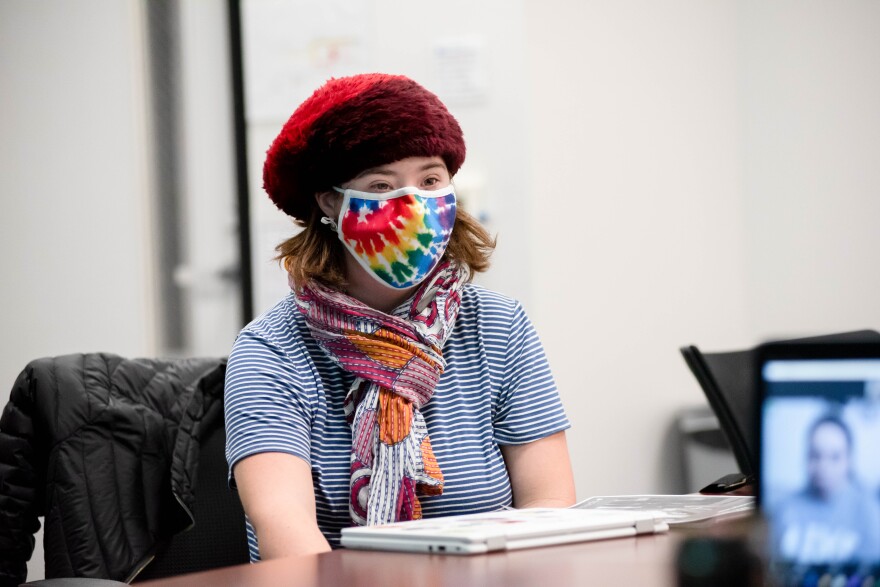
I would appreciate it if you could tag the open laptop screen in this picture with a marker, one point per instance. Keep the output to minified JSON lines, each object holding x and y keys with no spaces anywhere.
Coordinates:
{"x":820,"y":463}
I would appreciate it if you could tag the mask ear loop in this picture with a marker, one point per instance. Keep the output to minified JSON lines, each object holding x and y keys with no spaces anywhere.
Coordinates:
{"x":329,"y":221}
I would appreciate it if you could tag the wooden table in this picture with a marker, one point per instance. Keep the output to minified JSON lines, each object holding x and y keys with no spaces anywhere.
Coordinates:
{"x":645,"y":561}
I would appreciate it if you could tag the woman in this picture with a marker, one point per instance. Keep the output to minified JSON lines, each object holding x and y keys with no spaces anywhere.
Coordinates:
{"x":833,"y":519}
{"x":385,"y":387}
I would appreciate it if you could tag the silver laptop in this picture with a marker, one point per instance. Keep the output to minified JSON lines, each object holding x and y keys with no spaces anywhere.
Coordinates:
{"x":819,"y":461}
{"x":503,"y":530}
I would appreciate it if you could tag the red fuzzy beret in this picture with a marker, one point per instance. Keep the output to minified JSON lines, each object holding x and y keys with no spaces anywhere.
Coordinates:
{"x":351,"y":124}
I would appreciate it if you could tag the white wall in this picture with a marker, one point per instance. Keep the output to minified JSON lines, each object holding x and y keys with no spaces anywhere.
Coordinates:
{"x":636,"y":218}
{"x":810,"y":88}
{"x":76,"y":265}
{"x":702,"y":172}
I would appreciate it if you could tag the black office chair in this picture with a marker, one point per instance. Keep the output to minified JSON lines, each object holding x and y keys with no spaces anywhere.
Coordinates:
{"x":149,"y":499}
{"x":727,"y":380}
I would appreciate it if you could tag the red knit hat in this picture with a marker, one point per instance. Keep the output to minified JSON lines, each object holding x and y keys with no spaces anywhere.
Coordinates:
{"x":351,"y":124}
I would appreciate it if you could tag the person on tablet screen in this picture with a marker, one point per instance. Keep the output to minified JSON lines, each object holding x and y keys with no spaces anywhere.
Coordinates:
{"x":385,"y":386}
{"x":832,"y":520}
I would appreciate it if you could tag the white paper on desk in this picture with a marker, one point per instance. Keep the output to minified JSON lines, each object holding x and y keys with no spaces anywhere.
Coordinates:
{"x":678,"y":509}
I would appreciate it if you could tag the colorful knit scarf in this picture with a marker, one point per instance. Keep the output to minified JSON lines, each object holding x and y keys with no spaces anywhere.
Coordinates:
{"x":397,"y":361}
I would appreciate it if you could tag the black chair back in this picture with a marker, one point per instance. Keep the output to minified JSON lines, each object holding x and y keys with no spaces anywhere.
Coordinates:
{"x":728,"y":381}
{"x":217,"y":538}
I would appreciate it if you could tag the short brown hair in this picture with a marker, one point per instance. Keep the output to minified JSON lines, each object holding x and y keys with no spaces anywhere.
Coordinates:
{"x":316,"y":253}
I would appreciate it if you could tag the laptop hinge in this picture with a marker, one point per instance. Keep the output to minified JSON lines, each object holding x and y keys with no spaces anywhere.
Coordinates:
{"x":497,"y":542}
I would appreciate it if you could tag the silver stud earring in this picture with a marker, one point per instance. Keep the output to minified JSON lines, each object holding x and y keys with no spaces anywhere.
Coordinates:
{"x":327,"y":220}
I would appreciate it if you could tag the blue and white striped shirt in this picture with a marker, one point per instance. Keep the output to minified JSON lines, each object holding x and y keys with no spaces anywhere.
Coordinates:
{"x":284,"y":394}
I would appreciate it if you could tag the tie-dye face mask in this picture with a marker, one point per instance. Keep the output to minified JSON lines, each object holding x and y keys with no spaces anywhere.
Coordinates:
{"x":399,"y":236}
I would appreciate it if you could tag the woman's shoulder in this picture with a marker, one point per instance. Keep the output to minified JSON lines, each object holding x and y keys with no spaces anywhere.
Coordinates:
{"x":280,"y":325}
{"x":489,"y":317}
{"x":477,"y":299}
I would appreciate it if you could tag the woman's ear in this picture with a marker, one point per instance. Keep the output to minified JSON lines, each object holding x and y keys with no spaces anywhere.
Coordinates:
{"x":329,"y":203}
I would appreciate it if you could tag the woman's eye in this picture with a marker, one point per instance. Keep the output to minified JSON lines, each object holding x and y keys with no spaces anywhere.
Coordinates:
{"x":431,"y":181}
{"x":381,"y":186}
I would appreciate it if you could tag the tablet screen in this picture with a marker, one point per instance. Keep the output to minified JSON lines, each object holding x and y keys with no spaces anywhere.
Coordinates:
{"x":820,"y":469}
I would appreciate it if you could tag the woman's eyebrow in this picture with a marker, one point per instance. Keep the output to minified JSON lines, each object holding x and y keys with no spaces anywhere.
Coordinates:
{"x":376,"y":171}
{"x":389,"y":173}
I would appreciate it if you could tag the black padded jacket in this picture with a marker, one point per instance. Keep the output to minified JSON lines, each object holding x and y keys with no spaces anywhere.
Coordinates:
{"x":106,"y":449}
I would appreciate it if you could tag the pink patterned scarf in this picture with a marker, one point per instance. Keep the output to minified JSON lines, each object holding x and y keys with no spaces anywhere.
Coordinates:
{"x":397,"y":362}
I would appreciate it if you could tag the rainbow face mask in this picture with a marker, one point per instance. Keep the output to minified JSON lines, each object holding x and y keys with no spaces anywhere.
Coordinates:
{"x":399,"y":236}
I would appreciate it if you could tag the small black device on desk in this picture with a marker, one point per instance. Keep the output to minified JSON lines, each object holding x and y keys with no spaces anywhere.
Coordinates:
{"x":733,"y":483}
